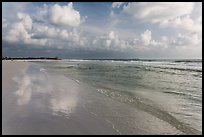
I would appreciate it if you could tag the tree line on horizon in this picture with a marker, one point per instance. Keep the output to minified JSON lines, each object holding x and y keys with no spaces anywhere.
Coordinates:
{"x":19,"y":58}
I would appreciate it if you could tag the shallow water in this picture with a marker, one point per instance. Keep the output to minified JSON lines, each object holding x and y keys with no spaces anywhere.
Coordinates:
{"x":171,"y":90}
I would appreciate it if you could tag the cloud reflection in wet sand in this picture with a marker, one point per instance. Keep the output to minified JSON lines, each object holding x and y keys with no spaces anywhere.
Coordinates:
{"x":58,"y":91}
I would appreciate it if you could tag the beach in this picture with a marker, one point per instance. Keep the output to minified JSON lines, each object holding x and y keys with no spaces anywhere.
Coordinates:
{"x":36,"y":100}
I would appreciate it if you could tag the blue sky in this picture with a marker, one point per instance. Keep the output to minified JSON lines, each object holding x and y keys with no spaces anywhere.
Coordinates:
{"x":102,"y":29}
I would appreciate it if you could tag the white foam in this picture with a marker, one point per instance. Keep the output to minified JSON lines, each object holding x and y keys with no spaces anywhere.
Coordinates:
{"x":113,"y":127}
{"x":42,"y":69}
{"x":93,"y":113}
{"x":78,"y":81}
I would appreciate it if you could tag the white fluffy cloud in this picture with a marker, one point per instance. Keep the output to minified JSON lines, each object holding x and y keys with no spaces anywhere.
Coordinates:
{"x":56,"y":23}
{"x":146,"y":37}
{"x":157,"y":12}
{"x":166,"y":14}
{"x":187,"y":40}
{"x":184,"y":23}
{"x":179,"y":17}
{"x":64,"y":15}
{"x":25,"y":20}
{"x":59,"y":38}
{"x":19,"y":30}
{"x":58,"y":15}
{"x":146,"y":40}
{"x":110,"y":41}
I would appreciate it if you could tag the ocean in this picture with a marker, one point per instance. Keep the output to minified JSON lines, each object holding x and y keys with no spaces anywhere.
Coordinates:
{"x":171,"y":90}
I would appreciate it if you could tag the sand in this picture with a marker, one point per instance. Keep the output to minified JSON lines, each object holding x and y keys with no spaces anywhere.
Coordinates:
{"x":37,"y":102}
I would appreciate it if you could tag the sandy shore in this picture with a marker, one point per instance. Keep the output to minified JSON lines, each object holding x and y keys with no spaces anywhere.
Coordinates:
{"x":37,"y":102}
{"x":9,"y":70}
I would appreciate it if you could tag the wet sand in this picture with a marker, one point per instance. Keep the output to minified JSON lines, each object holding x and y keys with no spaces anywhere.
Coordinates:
{"x":38,"y":102}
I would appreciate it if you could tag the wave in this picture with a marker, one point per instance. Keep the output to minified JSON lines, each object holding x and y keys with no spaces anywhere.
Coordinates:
{"x":193,"y":97}
{"x":189,"y":60}
{"x":190,"y":69}
{"x":63,"y":67}
{"x":138,"y":60}
{"x":181,"y":93}
{"x":75,"y":60}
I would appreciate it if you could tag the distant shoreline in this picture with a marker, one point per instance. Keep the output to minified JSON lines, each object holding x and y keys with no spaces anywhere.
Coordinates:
{"x":30,"y":58}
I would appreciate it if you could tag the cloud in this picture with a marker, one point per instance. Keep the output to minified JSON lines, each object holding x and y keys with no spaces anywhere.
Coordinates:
{"x":184,"y":23}
{"x":185,"y":28}
{"x":146,"y":37}
{"x":147,"y":42}
{"x":161,"y":13}
{"x":187,"y":40}
{"x":117,"y":4}
{"x":133,"y":27}
{"x":157,"y":12}
{"x":45,"y":26}
{"x":112,"y":42}
{"x":25,"y":20}
{"x":58,"y":35}
{"x":64,"y":15}
{"x":19,"y":30}
{"x":109,"y":41}
{"x":14,"y":7}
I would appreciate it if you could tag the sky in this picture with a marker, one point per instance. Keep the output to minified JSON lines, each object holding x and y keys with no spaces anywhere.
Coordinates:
{"x":82,"y":30}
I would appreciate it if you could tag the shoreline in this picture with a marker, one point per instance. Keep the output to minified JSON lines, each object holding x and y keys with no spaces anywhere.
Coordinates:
{"x":59,"y":105}
{"x":28,"y":59}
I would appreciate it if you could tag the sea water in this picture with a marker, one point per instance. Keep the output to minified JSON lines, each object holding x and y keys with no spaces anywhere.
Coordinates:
{"x":171,"y":90}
